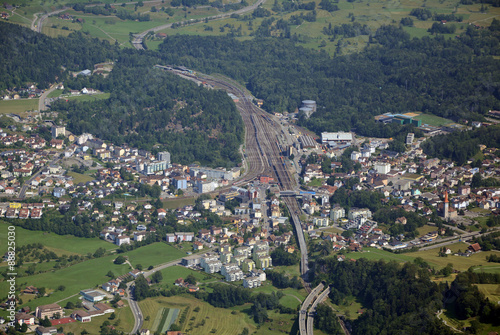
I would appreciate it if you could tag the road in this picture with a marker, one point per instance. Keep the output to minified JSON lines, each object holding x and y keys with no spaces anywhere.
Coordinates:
{"x":305,"y":306}
{"x":134,"y":307}
{"x":41,"y":102}
{"x":138,"y":38}
{"x":38,"y":26}
{"x":312,"y":310}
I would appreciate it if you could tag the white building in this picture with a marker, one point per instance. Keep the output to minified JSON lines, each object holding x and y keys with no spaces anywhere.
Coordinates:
{"x":359,"y":212}
{"x":336,"y":138}
{"x":337,"y":213}
{"x":382,"y":168}
{"x":251,"y":282}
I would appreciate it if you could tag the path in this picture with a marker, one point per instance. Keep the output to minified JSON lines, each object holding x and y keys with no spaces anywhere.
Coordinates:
{"x":71,"y":296}
{"x":438,"y":315}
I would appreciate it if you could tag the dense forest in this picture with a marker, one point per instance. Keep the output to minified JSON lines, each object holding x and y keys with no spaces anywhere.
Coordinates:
{"x":451,"y":78}
{"x":27,"y":57}
{"x":462,"y":146}
{"x":399,"y":299}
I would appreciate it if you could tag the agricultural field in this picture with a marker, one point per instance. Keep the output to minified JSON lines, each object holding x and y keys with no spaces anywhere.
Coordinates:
{"x":490,"y":291}
{"x":203,"y":321}
{"x":164,"y":319}
{"x":18,"y":106}
{"x":376,"y":254}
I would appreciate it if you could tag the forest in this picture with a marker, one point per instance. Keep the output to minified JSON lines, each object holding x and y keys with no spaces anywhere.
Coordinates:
{"x":462,"y":146}
{"x":444,"y":77}
{"x":397,"y":298}
{"x":27,"y":57}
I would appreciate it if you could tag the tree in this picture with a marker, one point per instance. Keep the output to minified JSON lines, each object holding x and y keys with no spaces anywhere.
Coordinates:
{"x":61,"y":288}
{"x":45,"y":322}
{"x":120,"y":260}
{"x":157,"y":277}
{"x":70,"y":305}
{"x":190,"y":279}
{"x":110,"y":274}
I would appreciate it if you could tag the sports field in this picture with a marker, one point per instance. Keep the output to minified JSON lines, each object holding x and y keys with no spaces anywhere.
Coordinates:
{"x":18,"y":106}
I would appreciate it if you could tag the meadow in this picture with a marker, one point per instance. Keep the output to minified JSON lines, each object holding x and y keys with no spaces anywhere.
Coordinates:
{"x":60,"y":244}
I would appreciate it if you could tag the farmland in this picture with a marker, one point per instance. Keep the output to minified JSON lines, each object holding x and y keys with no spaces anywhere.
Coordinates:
{"x":203,"y":321}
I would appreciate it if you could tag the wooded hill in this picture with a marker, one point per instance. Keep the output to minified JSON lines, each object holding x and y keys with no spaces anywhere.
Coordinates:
{"x":450,"y":78}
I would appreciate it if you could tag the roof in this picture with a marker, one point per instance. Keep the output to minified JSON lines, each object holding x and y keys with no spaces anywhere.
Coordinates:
{"x":49,"y":307}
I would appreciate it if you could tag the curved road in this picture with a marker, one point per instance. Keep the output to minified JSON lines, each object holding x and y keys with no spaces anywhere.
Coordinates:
{"x":312,"y":311}
{"x":138,"y":38}
{"x":305,"y":306}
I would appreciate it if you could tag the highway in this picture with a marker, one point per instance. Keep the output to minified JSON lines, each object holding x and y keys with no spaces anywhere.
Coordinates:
{"x":312,"y":310}
{"x":305,"y":306}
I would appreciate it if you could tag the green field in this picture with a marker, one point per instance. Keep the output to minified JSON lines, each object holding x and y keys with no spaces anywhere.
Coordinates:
{"x":376,"y":254}
{"x":459,"y":263}
{"x":154,"y":254}
{"x":177,"y":203}
{"x":58,"y":243}
{"x":432,"y":120}
{"x":79,"y":178}
{"x":18,"y":106}
{"x":77,"y":277}
{"x":88,"y":97}
{"x":425,"y":229}
{"x":490,"y":291}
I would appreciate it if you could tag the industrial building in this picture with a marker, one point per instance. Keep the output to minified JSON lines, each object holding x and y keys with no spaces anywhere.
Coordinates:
{"x":336,"y":138}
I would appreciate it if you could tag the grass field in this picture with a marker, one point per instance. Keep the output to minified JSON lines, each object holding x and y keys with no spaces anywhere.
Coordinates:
{"x":177,"y":203}
{"x":376,"y":254}
{"x":93,"y":97}
{"x":18,"y":106}
{"x":459,"y":263}
{"x":80,"y":276}
{"x":201,"y":322}
{"x":61,"y":243}
{"x":491,"y":291}
{"x":350,"y":308}
{"x":432,"y":120}
{"x":79,"y":178}
{"x":154,"y":254}
{"x":425,"y":229}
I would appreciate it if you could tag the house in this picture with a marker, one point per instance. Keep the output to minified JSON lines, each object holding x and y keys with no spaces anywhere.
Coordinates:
{"x":48,"y":311}
{"x":59,"y":192}
{"x":23,"y":318}
{"x":474,"y":247}
{"x":120,"y":240}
